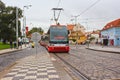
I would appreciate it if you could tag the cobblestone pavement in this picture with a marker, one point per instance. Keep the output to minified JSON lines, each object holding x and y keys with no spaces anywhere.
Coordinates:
{"x":96,"y":65}
{"x":37,"y":67}
{"x":111,"y":49}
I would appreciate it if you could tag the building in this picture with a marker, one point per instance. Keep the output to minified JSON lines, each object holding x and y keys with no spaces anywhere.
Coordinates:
{"x":77,"y":33}
{"x":96,"y":35}
{"x":110,"y":34}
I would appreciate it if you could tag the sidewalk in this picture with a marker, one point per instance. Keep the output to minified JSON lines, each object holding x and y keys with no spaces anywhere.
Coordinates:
{"x":39,"y":66}
{"x":36,"y":67}
{"x":5,"y":51}
{"x":110,"y":49}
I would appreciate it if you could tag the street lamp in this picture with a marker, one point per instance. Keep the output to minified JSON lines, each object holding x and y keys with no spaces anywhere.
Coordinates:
{"x":16,"y":27}
{"x":24,"y":22}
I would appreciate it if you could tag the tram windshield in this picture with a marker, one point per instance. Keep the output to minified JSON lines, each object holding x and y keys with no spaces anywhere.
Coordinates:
{"x":58,"y":35}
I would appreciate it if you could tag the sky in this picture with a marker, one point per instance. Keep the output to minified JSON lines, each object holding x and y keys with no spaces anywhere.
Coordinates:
{"x":91,"y":16}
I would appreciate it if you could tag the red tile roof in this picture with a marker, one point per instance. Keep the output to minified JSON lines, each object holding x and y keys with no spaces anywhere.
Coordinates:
{"x":96,"y":32}
{"x":70,"y":26}
{"x":115,"y":23}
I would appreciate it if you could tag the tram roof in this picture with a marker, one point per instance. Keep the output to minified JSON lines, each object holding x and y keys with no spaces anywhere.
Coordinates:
{"x":54,"y":26}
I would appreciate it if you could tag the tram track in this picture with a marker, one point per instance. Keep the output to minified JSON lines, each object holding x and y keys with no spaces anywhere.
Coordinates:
{"x":99,"y":55}
{"x":98,"y":64}
{"x":90,"y":65}
{"x":79,"y":74}
{"x":101,"y":67}
{"x":104,"y":66}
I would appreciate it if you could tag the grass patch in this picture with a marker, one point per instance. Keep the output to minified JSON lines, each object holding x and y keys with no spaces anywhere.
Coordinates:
{"x":4,"y":46}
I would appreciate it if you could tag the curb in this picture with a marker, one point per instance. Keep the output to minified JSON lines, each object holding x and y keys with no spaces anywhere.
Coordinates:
{"x":6,"y":69}
{"x":10,"y":52}
{"x":103,"y":51}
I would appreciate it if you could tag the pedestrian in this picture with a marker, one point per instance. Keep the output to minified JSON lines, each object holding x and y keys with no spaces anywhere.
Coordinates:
{"x":103,"y":44}
{"x":14,"y":44}
{"x":29,"y":45}
{"x":19,"y":42}
{"x":11,"y":44}
{"x":97,"y":41}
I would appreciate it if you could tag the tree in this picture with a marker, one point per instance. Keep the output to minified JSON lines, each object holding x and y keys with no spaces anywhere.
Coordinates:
{"x":92,"y":38}
{"x":35,"y":29}
{"x":2,"y":6}
{"x":8,"y":23}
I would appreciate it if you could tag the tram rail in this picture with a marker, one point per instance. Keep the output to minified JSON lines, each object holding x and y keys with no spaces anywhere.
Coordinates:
{"x":98,"y":64}
{"x":79,"y":74}
{"x":92,"y":65}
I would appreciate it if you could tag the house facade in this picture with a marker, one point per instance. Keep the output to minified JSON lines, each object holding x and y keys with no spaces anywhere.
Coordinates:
{"x":96,"y":35}
{"x":77,"y":32}
{"x":110,"y":34}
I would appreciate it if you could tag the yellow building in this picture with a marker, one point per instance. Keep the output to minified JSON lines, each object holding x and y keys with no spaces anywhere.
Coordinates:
{"x":77,"y":33}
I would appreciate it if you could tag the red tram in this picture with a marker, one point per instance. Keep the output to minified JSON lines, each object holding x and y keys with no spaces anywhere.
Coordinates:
{"x":58,"y":39}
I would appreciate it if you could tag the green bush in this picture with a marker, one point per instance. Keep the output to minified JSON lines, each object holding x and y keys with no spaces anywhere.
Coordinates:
{"x":73,"y":40}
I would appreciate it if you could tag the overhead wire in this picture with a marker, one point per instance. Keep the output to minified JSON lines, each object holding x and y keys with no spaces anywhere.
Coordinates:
{"x":58,"y":3}
{"x":89,"y":7}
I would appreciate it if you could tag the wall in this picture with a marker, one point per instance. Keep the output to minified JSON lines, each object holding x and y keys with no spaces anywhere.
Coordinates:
{"x":112,"y":34}
{"x":108,"y":34}
{"x":96,"y":38}
{"x":117,"y":36}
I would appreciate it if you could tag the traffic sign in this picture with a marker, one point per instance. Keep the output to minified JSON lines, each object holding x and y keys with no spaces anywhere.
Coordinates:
{"x":36,"y":37}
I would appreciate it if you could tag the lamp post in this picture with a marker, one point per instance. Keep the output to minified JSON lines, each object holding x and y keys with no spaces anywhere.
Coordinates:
{"x":16,"y":27}
{"x":24,"y":22}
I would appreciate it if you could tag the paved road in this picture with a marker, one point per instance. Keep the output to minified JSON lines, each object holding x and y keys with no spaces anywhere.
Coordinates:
{"x":96,"y":65}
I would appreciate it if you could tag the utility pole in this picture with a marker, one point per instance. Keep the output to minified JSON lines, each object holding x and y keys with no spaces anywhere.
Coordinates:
{"x":75,"y":18}
{"x":17,"y":27}
{"x":24,"y":22}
